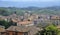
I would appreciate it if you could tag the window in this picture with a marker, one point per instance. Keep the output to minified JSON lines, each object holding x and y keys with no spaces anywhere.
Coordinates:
{"x":35,"y":22}
{"x":2,"y":33}
{"x":22,"y":19}
{"x":15,"y":33}
{"x":15,"y":24}
{"x":28,"y":19}
{"x":7,"y":34}
{"x":25,"y":33}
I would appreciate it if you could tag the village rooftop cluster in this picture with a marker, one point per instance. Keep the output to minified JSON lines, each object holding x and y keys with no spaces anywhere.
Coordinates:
{"x":27,"y":24}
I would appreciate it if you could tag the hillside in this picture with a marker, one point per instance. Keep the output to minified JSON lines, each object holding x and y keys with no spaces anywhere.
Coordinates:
{"x":20,"y":11}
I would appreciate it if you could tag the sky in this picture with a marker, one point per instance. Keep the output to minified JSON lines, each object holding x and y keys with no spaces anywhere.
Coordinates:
{"x":27,"y":3}
{"x":31,"y":0}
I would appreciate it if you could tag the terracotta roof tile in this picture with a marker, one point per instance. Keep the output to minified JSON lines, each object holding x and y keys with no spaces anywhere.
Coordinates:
{"x":32,"y":29}
{"x":25,"y":22}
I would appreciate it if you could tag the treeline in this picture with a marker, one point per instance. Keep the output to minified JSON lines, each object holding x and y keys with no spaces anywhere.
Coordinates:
{"x":20,"y":11}
{"x":7,"y":24}
{"x":5,"y":11}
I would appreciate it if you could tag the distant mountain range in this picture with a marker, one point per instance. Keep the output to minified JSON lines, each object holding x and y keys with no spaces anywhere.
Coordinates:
{"x":53,"y":7}
{"x":54,"y":10}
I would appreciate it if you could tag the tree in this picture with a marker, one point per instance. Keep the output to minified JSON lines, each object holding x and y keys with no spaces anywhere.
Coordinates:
{"x":52,"y":29}
{"x":49,"y":30}
{"x":5,"y":23}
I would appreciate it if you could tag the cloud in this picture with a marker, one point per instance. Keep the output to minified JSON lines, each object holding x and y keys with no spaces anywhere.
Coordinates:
{"x":32,"y":0}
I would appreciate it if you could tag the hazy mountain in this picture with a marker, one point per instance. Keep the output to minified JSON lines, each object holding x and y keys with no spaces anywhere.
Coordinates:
{"x":54,"y":10}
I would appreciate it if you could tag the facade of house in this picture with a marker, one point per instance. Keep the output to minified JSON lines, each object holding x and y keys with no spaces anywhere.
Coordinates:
{"x":55,"y":20}
{"x":2,"y":30}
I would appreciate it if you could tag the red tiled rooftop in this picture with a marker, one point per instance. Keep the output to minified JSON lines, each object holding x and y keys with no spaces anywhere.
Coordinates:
{"x":25,"y":22}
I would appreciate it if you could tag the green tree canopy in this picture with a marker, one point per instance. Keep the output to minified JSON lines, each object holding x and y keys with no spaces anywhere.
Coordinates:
{"x":51,"y":28}
{"x":5,"y":23}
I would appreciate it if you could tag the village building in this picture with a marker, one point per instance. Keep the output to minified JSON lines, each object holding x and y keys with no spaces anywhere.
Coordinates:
{"x":22,"y":30}
{"x":2,"y":30}
{"x":55,"y":19}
